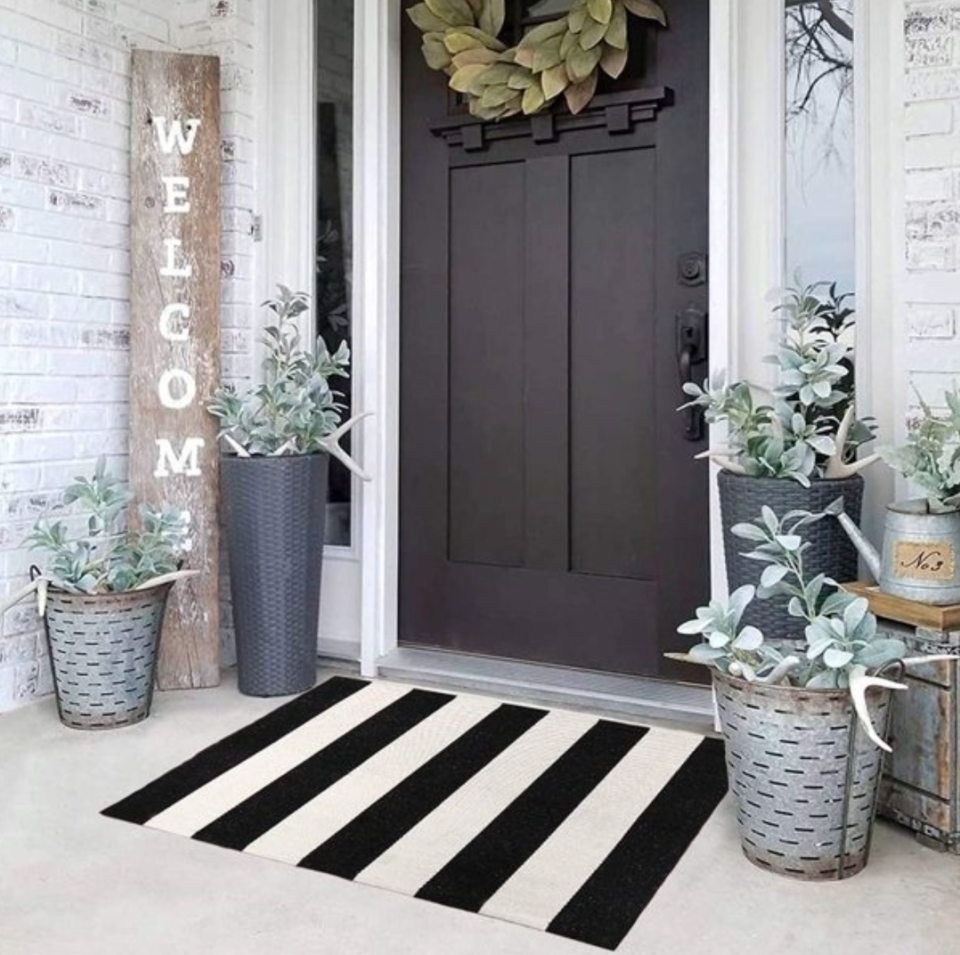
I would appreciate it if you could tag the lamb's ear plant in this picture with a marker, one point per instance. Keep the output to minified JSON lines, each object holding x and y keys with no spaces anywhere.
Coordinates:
{"x":806,"y":427}
{"x":841,"y":647}
{"x":930,"y":459}
{"x":90,"y":549}
{"x":295,"y":410}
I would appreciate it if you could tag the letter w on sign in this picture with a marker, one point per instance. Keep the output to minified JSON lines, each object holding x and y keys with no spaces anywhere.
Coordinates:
{"x":175,"y":334}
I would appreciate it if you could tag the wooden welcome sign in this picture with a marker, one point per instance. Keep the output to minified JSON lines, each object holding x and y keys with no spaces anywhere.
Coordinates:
{"x":175,"y":334}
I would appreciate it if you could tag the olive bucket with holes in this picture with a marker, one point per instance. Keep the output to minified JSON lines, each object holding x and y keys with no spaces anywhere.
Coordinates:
{"x":103,"y":648}
{"x":804,"y":774}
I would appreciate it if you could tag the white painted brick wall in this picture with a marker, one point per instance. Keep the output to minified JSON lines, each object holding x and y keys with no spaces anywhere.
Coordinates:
{"x":64,"y":251}
{"x":932,"y":190}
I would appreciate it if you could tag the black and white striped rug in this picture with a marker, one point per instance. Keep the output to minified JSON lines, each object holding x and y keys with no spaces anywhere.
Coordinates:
{"x":552,"y":819}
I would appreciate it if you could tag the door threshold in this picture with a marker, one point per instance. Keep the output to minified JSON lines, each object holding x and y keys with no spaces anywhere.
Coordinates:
{"x":631,"y":697}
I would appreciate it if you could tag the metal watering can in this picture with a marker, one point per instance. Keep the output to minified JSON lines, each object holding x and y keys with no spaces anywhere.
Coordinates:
{"x":920,"y":551}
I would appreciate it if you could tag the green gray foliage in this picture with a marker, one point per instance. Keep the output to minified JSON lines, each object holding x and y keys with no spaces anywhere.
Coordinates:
{"x":840,"y":633}
{"x":295,"y":408}
{"x":564,"y":56}
{"x":930,"y":459}
{"x":791,"y":432}
{"x":106,"y":556}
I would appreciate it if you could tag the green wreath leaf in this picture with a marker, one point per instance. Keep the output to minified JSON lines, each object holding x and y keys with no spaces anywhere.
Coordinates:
{"x":498,"y":74}
{"x":481,"y":55}
{"x":581,"y":63}
{"x":436,"y":55}
{"x":521,"y":79}
{"x":496,"y":95}
{"x":579,"y":95}
{"x":492,"y":17}
{"x":533,"y":100}
{"x":547,"y":55}
{"x":646,"y":9}
{"x":613,"y":61}
{"x":541,"y":33}
{"x":554,"y":81}
{"x":616,"y":34}
{"x":464,"y":78}
{"x":592,"y":34}
{"x":425,"y":19}
{"x":562,"y":56}
{"x":600,"y":10}
{"x":578,"y":16}
{"x":455,"y":13}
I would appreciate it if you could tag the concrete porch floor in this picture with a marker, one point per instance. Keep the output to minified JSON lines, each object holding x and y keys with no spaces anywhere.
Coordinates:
{"x":72,"y":880}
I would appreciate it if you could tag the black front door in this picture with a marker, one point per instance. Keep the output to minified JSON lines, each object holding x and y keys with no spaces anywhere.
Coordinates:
{"x":551,"y":509}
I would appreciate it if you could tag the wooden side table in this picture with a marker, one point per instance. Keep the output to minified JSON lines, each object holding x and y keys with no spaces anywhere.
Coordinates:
{"x":921,"y":785}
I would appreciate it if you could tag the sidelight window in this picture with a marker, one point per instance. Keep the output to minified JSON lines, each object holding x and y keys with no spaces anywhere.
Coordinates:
{"x":334,"y":225}
{"x":820,"y":184}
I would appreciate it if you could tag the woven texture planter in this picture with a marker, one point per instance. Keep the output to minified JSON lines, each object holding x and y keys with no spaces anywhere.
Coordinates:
{"x":103,"y":649}
{"x":804,"y":774}
{"x":831,"y":552}
{"x":274,"y":510}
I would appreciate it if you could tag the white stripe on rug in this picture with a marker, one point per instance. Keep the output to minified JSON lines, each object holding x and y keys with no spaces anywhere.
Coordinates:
{"x":315,"y":822}
{"x":222,"y":794}
{"x":540,"y":888}
{"x":426,"y":848}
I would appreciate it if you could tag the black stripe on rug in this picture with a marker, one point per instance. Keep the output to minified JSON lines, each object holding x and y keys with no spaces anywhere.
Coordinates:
{"x":229,"y":752}
{"x":375,"y":830}
{"x":609,"y":903}
{"x":265,"y":809}
{"x":484,"y":864}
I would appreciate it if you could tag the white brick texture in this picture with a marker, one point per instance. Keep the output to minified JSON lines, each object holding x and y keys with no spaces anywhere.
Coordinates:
{"x":932,"y":241}
{"x":64,"y":252}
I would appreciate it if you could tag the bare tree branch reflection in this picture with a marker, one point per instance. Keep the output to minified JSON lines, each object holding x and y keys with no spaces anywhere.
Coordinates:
{"x":819,"y":58}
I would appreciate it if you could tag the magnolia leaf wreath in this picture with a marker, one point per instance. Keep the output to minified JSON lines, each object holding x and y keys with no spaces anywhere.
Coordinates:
{"x":562,"y":56}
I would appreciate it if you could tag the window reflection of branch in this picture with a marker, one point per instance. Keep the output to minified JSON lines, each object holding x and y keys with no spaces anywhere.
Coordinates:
{"x":819,"y":48}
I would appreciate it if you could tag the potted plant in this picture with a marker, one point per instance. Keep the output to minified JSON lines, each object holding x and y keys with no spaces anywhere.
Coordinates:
{"x":793,"y":447}
{"x":930,"y":458}
{"x":102,"y":597}
{"x":798,"y":719}
{"x":281,"y":435}
{"x":921,"y":547}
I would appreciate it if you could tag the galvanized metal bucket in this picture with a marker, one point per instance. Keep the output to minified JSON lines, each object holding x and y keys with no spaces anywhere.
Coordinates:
{"x":103,"y":648}
{"x":921,"y":554}
{"x":804,"y":774}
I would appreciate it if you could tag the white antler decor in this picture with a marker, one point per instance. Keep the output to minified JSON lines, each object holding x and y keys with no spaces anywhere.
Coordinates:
{"x":331,"y":444}
{"x":859,"y":684}
{"x":722,"y":457}
{"x":835,"y":466}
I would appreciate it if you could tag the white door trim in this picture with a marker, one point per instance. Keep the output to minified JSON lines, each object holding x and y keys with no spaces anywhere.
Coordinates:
{"x":377,"y":318}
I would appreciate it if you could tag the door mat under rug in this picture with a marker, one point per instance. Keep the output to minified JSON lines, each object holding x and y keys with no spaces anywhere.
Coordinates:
{"x":555,"y":820}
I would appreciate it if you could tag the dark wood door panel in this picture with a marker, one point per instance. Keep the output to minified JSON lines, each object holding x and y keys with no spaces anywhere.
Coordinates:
{"x":612,"y":382}
{"x":486,"y":427}
{"x":550,"y":506}
{"x":573,"y":619}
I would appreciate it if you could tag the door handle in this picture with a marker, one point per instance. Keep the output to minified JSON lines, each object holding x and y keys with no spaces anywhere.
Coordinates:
{"x":691,"y":351}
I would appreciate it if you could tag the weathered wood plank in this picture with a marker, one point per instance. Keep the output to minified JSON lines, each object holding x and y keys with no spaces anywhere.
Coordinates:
{"x":906,"y":611}
{"x":175,"y":264}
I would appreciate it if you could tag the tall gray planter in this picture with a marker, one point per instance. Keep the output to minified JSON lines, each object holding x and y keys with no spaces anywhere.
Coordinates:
{"x":274,"y":512}
{"x":831,"y":552}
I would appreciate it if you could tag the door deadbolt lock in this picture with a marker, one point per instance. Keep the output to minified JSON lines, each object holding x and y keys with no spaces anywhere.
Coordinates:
{"x":692,"y":269}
